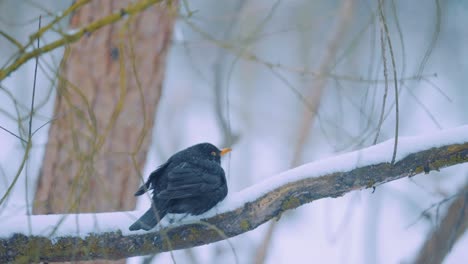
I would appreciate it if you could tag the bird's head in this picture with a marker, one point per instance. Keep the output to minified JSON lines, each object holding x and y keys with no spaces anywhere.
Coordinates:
{"x":207,"y":151}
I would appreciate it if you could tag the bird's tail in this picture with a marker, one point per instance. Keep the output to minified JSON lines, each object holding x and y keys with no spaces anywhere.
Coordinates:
{"x":149,"y":220}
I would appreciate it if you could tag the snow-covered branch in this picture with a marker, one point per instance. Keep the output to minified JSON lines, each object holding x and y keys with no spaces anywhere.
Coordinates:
{"x":106,"y":235}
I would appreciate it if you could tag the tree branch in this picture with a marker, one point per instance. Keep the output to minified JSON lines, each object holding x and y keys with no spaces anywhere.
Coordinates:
{"x":132,"y":9}
{"x":246,"y":210}
{"x":452,"y":227}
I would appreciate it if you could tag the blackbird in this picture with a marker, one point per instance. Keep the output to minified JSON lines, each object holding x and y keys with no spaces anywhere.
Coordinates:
{"x":192,"y":182}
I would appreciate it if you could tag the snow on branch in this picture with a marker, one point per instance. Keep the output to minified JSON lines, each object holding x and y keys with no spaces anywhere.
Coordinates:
{"x":239,"y":213}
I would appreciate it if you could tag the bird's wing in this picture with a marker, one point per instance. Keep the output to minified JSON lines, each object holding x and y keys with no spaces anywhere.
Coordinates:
{"x":153,"y":176}
{"x":188,"y":180}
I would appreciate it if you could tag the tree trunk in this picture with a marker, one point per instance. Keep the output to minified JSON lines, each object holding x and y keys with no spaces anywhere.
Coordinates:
{"x":109,"y":88}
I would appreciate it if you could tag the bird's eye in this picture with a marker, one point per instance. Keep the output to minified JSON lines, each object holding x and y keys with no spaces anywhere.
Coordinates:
{"x":213,"y":153}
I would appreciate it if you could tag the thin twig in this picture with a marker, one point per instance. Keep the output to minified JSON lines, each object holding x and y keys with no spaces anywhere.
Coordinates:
{"x":34,"y":87}
{"x":13,"y":134}
{"x":312,"y":103}
{"x":131,"y":9}
{"x":395,"y":82}
{"x":435,"y":37}
{"x":229,"y":138}
{"x":385,"y":73}
{"x":437,"y":205}
{"x":443,"y":237}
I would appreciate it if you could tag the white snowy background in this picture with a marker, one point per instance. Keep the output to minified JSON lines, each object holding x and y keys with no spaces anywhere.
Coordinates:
{"x":360,"y":227}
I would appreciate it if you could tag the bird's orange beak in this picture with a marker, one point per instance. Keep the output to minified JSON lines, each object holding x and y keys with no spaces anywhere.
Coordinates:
{"x":225,"y":151}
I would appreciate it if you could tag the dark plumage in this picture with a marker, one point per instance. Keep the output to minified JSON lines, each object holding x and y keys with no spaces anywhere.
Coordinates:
{"x":192,"y":181}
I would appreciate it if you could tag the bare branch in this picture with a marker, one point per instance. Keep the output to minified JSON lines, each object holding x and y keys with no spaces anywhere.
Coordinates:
{"x":132,"y":9}
{"x":312,"y":99}
{"x":392,"y":59}
{"x":441,"y":240}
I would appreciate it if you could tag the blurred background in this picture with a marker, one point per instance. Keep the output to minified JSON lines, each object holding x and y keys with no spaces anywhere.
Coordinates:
{"x":283,"y":83}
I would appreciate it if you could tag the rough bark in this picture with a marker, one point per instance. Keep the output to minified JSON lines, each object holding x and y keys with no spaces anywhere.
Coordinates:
{"x":110,"y":85}
{"x":109,"y":88}
{"x":114,"y":245}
